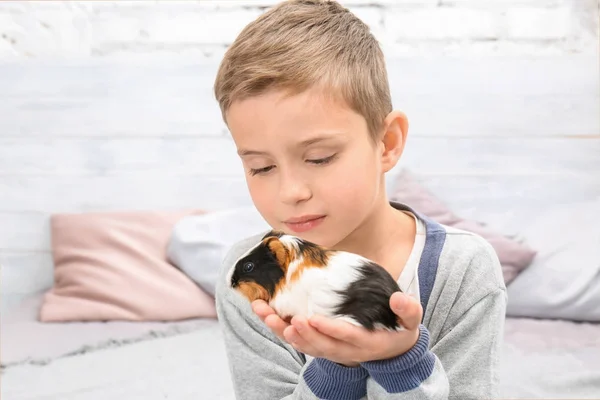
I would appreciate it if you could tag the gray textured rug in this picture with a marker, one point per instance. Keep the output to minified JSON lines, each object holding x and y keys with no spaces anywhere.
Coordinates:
{"x":541,"y":359}
{"x":25,"y":340}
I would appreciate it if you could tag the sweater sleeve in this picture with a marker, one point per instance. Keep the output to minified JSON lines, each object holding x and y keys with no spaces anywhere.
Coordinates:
{"x":264,"y":367}
{"x":463,"y":362}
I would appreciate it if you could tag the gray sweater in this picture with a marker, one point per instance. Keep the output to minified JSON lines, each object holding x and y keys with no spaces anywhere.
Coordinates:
{"x":456,"y":357}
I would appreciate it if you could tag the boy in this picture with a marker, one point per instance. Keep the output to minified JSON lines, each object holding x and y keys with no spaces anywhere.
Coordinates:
{"x":304,"y":92}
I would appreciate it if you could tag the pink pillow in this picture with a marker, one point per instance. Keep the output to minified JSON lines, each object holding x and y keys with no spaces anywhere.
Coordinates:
{"x":113,"y":266}
{"x":514,"y":256}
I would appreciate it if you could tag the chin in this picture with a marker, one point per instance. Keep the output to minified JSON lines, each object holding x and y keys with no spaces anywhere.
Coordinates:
{"x":315,"y":236}
{"x":323,"y":235}
{"x":323,"y":238}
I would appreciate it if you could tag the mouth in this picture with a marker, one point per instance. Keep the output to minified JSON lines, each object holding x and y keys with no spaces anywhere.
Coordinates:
{"x":304,"y":223}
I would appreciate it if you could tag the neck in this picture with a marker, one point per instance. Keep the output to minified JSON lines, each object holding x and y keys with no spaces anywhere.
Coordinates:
{"x":380,"y":234}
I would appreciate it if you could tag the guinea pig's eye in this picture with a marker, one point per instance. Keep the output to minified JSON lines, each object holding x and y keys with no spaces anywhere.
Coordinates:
{"x":248,"y":267}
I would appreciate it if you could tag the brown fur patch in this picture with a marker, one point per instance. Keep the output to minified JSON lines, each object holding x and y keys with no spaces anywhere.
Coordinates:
{"x":282,"y":253}
{"x":317,"y":256}
{"x":253,"y":291}
{"x":313,"y":256}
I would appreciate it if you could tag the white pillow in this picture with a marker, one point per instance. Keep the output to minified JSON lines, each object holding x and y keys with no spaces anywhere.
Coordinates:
{"x":563,"y":282}
{"x":199,"y":243}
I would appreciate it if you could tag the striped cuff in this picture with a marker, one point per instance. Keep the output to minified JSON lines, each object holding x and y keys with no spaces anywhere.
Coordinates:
{"x":406,"y":371}
{"x":332,"y":381}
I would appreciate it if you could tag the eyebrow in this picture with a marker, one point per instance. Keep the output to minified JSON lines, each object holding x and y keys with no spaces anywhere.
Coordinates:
{"x":304,"y":143}
{"x":244,"y":152}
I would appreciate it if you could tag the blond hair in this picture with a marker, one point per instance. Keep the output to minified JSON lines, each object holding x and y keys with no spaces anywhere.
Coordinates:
{"x":300,"y":44}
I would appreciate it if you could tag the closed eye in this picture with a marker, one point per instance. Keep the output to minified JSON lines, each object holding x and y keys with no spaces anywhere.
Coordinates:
{"x":255,"y":171}
{"x":319,"y":161}
{"x":322,"y":161}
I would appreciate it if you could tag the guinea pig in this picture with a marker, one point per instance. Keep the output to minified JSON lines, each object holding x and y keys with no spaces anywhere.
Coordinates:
{"x":297,"y":277}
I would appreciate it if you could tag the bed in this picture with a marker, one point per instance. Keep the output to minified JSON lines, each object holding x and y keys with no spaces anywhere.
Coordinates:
{"x":186,"y":360}
{"x":87,"y":136}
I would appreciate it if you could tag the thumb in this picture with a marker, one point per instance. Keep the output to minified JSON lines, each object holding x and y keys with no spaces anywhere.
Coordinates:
{"x":398,"y":301}
{"x":408,"y":310}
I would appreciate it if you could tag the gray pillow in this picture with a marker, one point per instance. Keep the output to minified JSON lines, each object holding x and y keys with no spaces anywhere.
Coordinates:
{"x":199,"y":243}
{"x":563,"y":282}
{"x":514,"y":255}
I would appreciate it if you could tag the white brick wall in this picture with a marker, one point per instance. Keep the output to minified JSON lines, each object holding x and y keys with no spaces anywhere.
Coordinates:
{"x":442,"y":23}
{"x":205,"y":28}
{"x":534,"y":23}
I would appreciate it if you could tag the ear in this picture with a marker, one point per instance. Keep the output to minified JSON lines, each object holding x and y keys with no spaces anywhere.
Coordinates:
{"x":280,"y":251}
{"x":393,"y":139}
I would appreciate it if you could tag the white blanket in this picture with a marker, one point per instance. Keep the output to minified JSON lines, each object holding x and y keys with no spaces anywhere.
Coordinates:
{"x":541,"y":359}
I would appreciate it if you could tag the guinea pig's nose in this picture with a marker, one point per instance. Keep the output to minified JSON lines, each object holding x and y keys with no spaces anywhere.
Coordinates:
{"x":234,"y":282}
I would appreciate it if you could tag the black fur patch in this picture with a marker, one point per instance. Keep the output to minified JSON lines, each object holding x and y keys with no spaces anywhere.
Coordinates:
{"x":313,"y":251}
{"x":367,"y":299}
{"x":267,"y":272}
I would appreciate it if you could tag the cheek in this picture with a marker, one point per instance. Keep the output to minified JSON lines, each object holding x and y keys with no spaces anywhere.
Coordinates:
{"x":354,"y":178}
{"x":262,"y":193}
{"x":258,"y":191}
{"x":253,"y":291}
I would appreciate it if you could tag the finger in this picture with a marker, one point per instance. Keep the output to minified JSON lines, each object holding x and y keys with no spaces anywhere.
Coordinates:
{"x":322,"y":343}
{"x":292,"y":336}
{"x":262,"y":309}
{"x":337,"y":329}
{"x":408,"y":309}
{"x":276,"y":324}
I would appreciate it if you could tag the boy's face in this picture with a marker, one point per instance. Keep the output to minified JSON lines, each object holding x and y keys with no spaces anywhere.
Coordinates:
{"x":311,"y":167}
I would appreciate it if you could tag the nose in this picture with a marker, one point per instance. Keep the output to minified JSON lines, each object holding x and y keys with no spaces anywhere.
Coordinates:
{"x":293,"y":189}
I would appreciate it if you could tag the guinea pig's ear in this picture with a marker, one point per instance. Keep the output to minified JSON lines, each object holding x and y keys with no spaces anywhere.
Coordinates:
{"x":281,"y":252}
{"x":273,"y":233}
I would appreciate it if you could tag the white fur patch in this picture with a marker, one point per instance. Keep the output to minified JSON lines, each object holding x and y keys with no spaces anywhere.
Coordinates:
{"x":290,"y":241}
{"x":314,"y":291}
{"x":292,"y":267}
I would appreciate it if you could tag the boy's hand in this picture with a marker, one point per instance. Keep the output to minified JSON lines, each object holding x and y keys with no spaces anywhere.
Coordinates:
{"x":342,"y":342}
